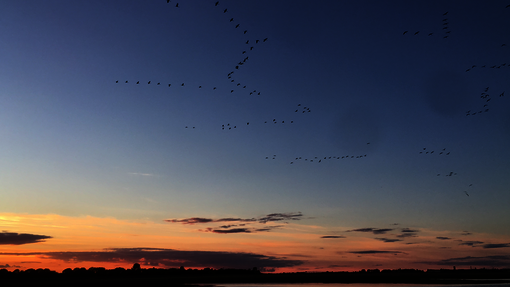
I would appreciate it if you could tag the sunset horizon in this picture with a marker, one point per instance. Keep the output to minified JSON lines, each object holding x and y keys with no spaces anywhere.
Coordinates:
{"x":288,"y":135}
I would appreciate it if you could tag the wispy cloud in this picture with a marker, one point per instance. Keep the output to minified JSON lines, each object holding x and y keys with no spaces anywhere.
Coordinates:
{"x":496,"y":245}
{"x":370,"y":229}
{"x":263,"y":219}
{"x":387,"y":240}
{"x":443,"y":238}
{"x":11,"y":238}
{"x":375,"y":252}
{"x":141,"y":174}
{"x":409,"y":230}
{"x":473,"y":243}
{"x":333,"y":236}
{"x":483,"y":261}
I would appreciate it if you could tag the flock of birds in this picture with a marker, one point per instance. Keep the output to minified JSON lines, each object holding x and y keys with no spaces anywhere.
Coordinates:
{"x":486,"y":98}
{"x":441,"y":152}
{"x":251,"y":44}
{"x":444,"y":28}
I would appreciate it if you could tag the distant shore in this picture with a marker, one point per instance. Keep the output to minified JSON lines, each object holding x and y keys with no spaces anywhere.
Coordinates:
{"x":210,"y":277}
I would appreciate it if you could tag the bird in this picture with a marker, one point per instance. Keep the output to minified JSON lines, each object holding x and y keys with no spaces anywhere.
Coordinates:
{"x":126,"y":82}
{"x":466,"y":193}
{"x":182,"y":85}
{"x":405,"y":32}
{"x":148,"y":83}
{"x":264,"y":40}
{"x":167,"y":1}
{"x":177,"y":5}
{"x":247,"y":41}
{"x":256,"y":41}
{"x":245,"y":31}
{"x":169,"y":85}
{"x":237,"y":25}
{"x":116,"y":82}
{"x":225,"y":11}
{"x":231,"y":19}
{"x":217,"y":2}
{"x":445,"y":13}
{"x":138,"y":82}
{"x":416,"y":33}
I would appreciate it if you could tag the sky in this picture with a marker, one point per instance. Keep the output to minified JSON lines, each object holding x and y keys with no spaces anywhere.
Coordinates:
{"x":284,"y":135}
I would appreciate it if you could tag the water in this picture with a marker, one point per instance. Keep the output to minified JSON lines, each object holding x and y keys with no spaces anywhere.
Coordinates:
{"x":362,"y":285}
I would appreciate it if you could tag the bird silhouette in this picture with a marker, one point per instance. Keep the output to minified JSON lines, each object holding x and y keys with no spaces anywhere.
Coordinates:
{"x":405,"y":32}
{"x":177,"y":5}
{"x":225,"y":11}
{"x":231,"y":19}
{"x":264,"y":40}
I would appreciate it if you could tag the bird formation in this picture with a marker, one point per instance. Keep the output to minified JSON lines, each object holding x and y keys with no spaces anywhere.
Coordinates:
{"x":499,"y":66}
{"x":302,"y":109}
{"x":230,"y":127}
{"x":439,"y":152}
{"x":444,"y":29}
{"x":451,"y":173}
{"x":486,"y":99}
{"x":251,"y":44}
{"x":254,"y":92}
{"x":321,"y":159}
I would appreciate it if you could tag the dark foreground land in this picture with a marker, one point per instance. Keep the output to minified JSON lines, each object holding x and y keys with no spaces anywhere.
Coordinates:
{"x":208,"y":277}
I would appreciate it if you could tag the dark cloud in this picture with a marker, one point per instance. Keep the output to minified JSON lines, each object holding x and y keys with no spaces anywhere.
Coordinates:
{"x":374,"y":252}
{"x":225,"y":229}
{"x":471,"y":243}
{"x":409,"y":230}
{"x":485,"y":261}
{"x":466,"y":233}
{"x":496,"y":245}
{"x":333,"y":236}
{"x":233,"y":230}
{"x":9,"y":266}
{"x":387,"y":240}
{"x":11,"y":238}
{"x":370,"y":229}
{"x":406,"y":235}
{"x":443,"y":238}
{"x":169,"y":258}
{"x":263,"y":219}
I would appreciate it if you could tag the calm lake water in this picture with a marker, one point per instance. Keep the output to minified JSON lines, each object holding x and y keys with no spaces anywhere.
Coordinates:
{"x":363,"y":285}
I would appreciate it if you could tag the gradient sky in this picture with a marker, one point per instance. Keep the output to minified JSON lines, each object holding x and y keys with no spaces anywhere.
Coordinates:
{"x":347,"y":142}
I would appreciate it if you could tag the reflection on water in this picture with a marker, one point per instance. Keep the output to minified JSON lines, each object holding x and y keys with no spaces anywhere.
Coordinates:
{"x":362,"y":285}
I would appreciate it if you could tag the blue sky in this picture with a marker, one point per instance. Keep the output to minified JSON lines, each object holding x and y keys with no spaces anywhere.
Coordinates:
{"x":74,"y":142}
